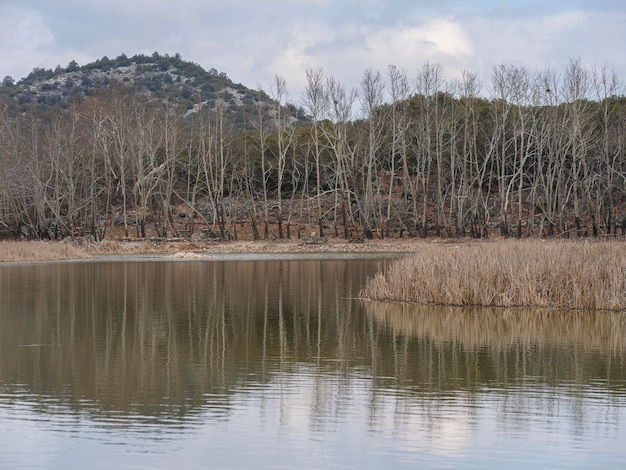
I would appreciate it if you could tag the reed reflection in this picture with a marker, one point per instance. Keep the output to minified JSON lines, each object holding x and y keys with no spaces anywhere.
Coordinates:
{"x":486,"y":347}
{"x":561,"y":369}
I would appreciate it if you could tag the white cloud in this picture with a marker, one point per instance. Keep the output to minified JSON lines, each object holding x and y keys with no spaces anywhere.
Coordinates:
{"x":24,"y":39}
{"x":253,"y":41}
{"x":347,"y":53}
{"x":304,"y":50}
{"x":547,"y":42}
{"x":440,"y":40}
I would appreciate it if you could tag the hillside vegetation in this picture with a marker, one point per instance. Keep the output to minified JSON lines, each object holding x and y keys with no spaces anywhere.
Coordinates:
{"x":156,"y":146}
{"x":160,"y":78}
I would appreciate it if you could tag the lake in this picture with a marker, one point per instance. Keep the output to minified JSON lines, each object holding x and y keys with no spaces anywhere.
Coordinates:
{"x":237,"y":363}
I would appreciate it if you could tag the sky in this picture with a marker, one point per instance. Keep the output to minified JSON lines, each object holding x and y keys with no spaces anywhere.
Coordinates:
{"x":252,"y":41}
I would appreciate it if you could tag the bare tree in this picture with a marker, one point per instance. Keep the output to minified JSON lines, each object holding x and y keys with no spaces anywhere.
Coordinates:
{"x":400,"y":123}
{"x":522,"y":132}
{"x":340,"y":104}
{"x":545,"y":151}
{"x":262,"y":127}
{"x":576,"y":89}
{"x":372,"y":87}
{"x":63,"y":190}
{"x":285,"y":135}
{"x":170,"y":127}
{"x":606,"y":88}
{"x":147,"y":169}
{"x":500,"y":141}
{"x":314,"y":102}
{"x":426,"y":138}
{"x":551,"y":190}
{"x":469,"y":201}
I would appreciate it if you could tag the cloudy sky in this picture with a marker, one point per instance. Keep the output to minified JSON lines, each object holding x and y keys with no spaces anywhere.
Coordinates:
{"x":252,"y":40}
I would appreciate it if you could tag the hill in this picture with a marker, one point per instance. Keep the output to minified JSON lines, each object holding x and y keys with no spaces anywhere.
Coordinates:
{"x":159,"y":77}
{"x":533,"y":160}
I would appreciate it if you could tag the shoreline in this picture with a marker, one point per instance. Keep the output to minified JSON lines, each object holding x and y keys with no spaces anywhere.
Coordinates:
{"x":79,"y":249}
{"x":275,"y":247}
{"x":463,"y":272}
{"x":41,"y":251}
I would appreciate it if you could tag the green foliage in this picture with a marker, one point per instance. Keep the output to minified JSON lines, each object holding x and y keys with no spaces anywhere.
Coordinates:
{"x":122,"y":61}
{"x":72,"y":66}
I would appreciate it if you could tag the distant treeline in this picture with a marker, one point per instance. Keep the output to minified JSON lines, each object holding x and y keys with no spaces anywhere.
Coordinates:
{"x":531,"y":153}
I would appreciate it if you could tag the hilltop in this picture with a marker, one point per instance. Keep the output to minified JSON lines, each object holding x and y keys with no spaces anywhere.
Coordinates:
{"x":162,"y":78}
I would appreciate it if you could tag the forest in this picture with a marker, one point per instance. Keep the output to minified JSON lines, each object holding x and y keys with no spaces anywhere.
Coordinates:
{"x":532,"y":153}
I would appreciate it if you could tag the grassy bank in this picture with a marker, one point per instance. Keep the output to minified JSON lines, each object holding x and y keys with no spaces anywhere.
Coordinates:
{"x":509,"y":273}
{"x":15,"y":252}
{"x":48,"y":251}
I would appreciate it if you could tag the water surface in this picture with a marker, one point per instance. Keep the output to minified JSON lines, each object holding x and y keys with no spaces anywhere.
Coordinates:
{"x":274,"y":364}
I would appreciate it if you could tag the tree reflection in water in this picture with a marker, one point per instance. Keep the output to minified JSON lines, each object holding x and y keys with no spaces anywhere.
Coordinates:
{"x":170,"y":340}
{"x":153,"y":335}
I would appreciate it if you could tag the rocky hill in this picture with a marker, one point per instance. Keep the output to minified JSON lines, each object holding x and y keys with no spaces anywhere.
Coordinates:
{"x":159,"y":77}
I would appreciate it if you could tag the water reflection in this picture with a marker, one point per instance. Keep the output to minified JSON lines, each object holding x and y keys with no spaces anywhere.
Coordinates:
{"x":148,"y":336}
{"x":278,"y":356}
{"x":473,"y":348}
{"x":538,"y":370}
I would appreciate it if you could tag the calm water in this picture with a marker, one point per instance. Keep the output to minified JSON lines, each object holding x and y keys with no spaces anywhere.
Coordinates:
{"x":273,"y":364}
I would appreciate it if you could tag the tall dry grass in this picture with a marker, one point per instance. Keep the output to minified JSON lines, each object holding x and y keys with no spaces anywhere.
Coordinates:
{"x":509,"y":273}
{"x":14,"y":252}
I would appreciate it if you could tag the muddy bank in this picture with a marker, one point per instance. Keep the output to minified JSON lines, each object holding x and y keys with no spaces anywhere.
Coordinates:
{"x":186,"y":249}
{"x":23,"y":251}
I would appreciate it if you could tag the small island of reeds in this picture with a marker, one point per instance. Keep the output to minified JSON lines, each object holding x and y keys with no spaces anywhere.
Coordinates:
{"x":508,"y":273}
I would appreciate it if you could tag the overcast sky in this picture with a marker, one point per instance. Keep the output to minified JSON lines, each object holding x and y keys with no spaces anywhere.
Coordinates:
{"x":252,"y":40}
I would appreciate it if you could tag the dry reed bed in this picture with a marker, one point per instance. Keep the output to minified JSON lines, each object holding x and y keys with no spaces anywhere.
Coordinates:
{"x":15,"y":252}
{"x":509,"y":273}
{"x":503,"y":328}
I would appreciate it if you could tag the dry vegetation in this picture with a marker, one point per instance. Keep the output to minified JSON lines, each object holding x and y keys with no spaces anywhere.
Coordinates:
{"x":196,"y":249}
{"x":541,"y":155}
{"x":504,"y":273}
{"x":13,"y":252}
{"x":509,"y":273}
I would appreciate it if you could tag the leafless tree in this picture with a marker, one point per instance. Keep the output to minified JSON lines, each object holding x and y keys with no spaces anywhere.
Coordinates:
{"x":344,"y":166}
{"x":426,"y":138}
{"x":400,"y":124}
{"x":314,"y":102}
{"x":285,"y":135}
{"x":372,"y":87}
{"x":606,"y":88}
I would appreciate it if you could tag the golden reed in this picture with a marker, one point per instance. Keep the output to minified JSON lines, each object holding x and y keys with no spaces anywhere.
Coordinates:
{"x":509,"y":273}
{"x":14,"y":252}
